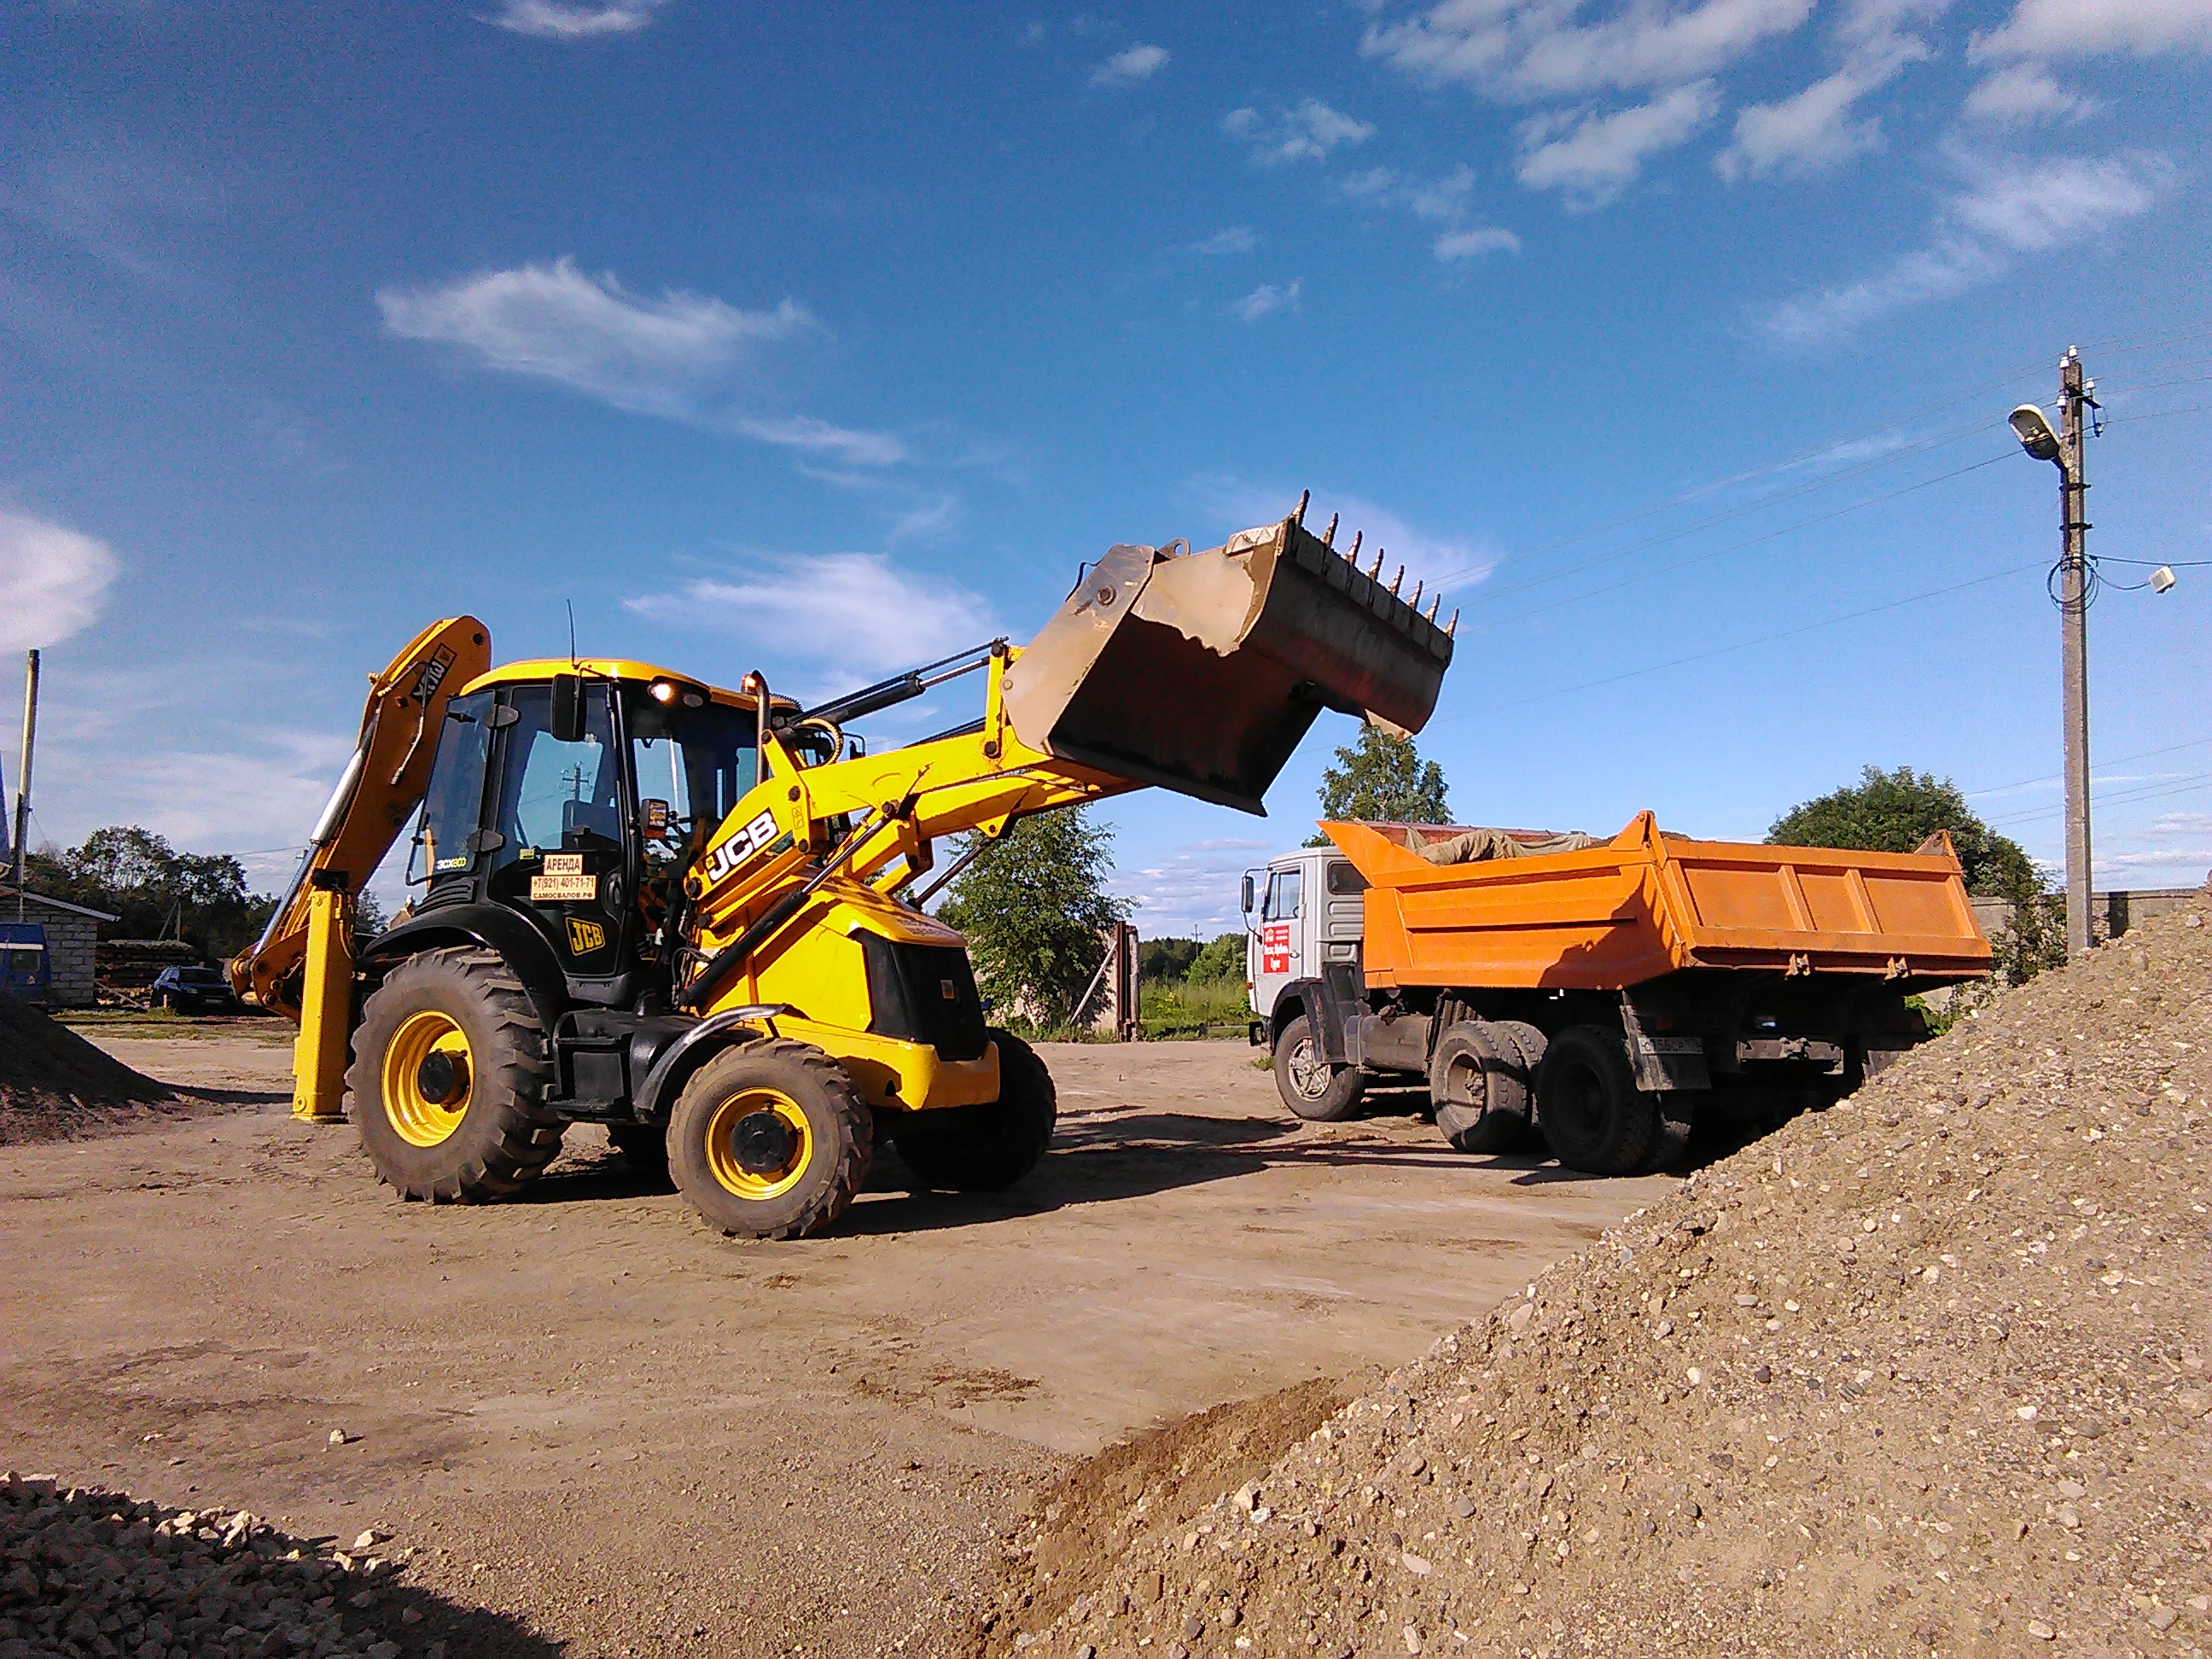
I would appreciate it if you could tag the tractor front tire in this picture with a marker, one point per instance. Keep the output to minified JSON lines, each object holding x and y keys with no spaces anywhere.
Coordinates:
{"x":770,"y":1139}
{"x":448,"y":1078}
{"x":985,"y":1149}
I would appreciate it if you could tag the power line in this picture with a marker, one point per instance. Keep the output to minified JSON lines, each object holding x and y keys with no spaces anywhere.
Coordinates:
{"x":2198,"y":781}
{"x":1738,"y":547}
{"x":2054,"y":777}
{"x":1746,"y":645}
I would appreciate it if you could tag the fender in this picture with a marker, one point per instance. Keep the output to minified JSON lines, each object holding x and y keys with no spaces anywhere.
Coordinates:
{"x":673,"y":1066}
{"x":518,"y":944}
{"x":1327,"y":1013}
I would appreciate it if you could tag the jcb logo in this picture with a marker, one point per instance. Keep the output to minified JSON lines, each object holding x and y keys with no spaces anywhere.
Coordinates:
{"x":740,"y":848}
{"x":585,"y":937}
{"x":433,"y":675}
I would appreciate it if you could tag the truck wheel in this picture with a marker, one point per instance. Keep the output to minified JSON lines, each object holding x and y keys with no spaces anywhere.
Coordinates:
{"x":1480,"y":1088}
{"x":769,"y":1140}
{"x":983,"y":1149}
{"x":1592,"y":1114}
{"x":1312,"y":1088}
{"x":448,"y":1075}
{"x":1531,"y":1043}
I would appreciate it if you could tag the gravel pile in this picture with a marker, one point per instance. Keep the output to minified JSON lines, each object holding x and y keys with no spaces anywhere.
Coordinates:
{"x":53,"y":1082}
{"x":87,"y":1572}
{"x":1922,"y":1373}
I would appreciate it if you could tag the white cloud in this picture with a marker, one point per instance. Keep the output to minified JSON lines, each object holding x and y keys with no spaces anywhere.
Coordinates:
{"x":1517,"y":50}
{"x":1594,"y":157}
{"x":1237,"y":238}
{"x":2051,"y":28}
{"x":1265,"y":299}
{"x":1126,"y":68}
{"x":1814,"y":129}
{"x":684,"y":356}
{"x":1441,"y":199}
{"x":1192,"y":892}
{"x":1306,"y":133}
{"x":565,"y":19}
{"x":2019,"y":94}
{"x":1474,"y":243}
{"x":814,"y":437}
{"x":53,"y":581}
{"x":843,"y":618}
{"x":2003,"y":209}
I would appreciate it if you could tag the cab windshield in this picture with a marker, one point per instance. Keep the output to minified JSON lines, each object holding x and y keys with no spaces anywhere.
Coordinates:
{"x":692,"y":766}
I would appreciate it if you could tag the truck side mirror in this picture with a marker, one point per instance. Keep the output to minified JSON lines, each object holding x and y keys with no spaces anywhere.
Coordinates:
{"x":566,"y":719}
{"x":1244,"y":894}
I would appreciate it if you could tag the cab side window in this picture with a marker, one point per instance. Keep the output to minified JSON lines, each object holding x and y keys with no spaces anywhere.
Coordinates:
{"x":457,"y":786}
{"x":1284,"y":892}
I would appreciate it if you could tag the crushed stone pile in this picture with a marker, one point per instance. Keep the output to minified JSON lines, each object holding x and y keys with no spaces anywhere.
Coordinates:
{"x":53,"y":1082}
{"x":92,"y":1575}
{"x":1922,"y":1373}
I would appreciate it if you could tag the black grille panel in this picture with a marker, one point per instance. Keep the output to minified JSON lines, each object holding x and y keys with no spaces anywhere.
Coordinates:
{"x":908,"y":996}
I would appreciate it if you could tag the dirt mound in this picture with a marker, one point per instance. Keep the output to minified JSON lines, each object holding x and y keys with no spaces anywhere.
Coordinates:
{"x":1923,"y":1372}
{"x":1163,"y":1478}
{"x":53,"y":1082}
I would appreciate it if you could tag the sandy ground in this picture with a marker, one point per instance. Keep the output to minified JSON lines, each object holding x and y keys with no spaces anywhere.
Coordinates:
{"x":605,"y":1430}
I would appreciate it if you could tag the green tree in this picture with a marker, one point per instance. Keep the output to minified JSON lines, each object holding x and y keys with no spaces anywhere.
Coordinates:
{"x":1384,"y":777}
{"x":1222,"y":959}
{"x":1033,"y":906}
{"x":153,"y":890}
{"x":1896,"y":812}
{"x":1165,"y":959}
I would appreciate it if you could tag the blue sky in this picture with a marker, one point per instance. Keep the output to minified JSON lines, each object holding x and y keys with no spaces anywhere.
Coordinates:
{"x":1674,"y":339}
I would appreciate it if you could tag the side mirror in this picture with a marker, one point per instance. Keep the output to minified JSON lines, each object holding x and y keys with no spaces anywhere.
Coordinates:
{"x":566,"y":719}
{"x":1244,"y":894}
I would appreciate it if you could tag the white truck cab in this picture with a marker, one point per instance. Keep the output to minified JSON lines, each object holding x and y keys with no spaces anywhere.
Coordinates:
{"x":1303,"y":917}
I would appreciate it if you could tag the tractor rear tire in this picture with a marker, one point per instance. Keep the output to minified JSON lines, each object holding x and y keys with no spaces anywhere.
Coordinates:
{"x":985,"y":1149}
{"x":448,"y":1079}
{"x":1592,"y":1114}
{"x":770,"y":1139}
{"x":1312,"y":1088}
{"x":1480,"y":1087}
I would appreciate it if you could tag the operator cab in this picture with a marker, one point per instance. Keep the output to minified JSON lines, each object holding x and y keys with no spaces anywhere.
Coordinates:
{"x":574,"y":794}
{"x":1310,"y":914}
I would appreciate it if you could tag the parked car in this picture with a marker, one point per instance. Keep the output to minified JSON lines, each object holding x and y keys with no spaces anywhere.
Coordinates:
{"x":193,"y":991}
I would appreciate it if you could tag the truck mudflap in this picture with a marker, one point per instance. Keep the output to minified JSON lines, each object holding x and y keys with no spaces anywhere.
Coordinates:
{"x":1200,"y":672}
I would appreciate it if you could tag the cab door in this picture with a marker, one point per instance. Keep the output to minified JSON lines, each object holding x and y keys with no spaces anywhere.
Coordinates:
{"x":1282,"y":948}
{"x":560,"y":852}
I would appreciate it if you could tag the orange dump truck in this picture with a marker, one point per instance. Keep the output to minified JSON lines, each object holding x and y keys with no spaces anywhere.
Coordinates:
{"x":1602,"y":993}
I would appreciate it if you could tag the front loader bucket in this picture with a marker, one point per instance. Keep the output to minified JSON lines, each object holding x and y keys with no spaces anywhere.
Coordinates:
{"x":1200,"y":671}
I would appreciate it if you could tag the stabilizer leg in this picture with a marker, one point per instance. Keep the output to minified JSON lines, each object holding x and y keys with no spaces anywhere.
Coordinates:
{"x":318,"y":1053}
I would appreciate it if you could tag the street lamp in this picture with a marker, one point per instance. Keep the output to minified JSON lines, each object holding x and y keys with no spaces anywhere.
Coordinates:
{"x":2033,"y":430}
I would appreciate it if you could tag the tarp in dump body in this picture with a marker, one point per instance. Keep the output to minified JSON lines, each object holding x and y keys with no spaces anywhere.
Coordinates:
{"x":1200,"y":671}
{"x":1645,"y":903}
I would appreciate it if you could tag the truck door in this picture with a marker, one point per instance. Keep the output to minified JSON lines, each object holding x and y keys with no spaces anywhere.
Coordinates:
{"x":1282,"y":945}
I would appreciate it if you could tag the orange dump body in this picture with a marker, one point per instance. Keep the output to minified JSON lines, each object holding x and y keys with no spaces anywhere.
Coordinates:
{"x":1646,"y":903}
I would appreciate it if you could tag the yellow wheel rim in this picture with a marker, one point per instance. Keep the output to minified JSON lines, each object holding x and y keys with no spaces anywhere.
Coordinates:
{"x":419,"y":1120}
{"x":722,"y":1147}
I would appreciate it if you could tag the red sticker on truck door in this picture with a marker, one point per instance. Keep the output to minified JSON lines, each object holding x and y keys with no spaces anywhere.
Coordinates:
{"x":1275,"y":948}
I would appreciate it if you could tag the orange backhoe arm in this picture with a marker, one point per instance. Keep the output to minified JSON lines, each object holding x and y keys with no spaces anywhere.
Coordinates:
{"x":383,"y":784}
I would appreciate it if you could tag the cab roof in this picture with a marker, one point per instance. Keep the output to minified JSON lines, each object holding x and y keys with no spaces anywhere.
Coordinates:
{"x":538,"y":669}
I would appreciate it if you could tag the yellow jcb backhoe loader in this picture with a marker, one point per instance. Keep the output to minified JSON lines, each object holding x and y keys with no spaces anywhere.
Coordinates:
{"x":695,"y":915}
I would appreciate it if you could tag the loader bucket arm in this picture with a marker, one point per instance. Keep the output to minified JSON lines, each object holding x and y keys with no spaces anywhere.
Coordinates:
{"x":1200,"y":672}
{"x":382,"y":784}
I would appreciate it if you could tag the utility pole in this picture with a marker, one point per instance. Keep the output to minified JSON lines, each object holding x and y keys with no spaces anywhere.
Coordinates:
{"x":23,"y":773}
{"x":2074,"y":395}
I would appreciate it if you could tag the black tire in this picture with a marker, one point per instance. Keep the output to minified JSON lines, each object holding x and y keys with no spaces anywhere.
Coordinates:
{"x":985,"y":1149}
{"x":1593,"y":1116}
{"x":485,"y":1141}
{"x":644,"y":1147}
{"x":1480,"y":1088}
{"x":770,"y":1139}
{"x":1312,"y":1088}
{"x":1531,"y":1044}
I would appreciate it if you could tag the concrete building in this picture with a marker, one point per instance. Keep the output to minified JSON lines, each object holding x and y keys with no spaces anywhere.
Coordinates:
{"x":2111,"y":914}
{"x":71,"y":932}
